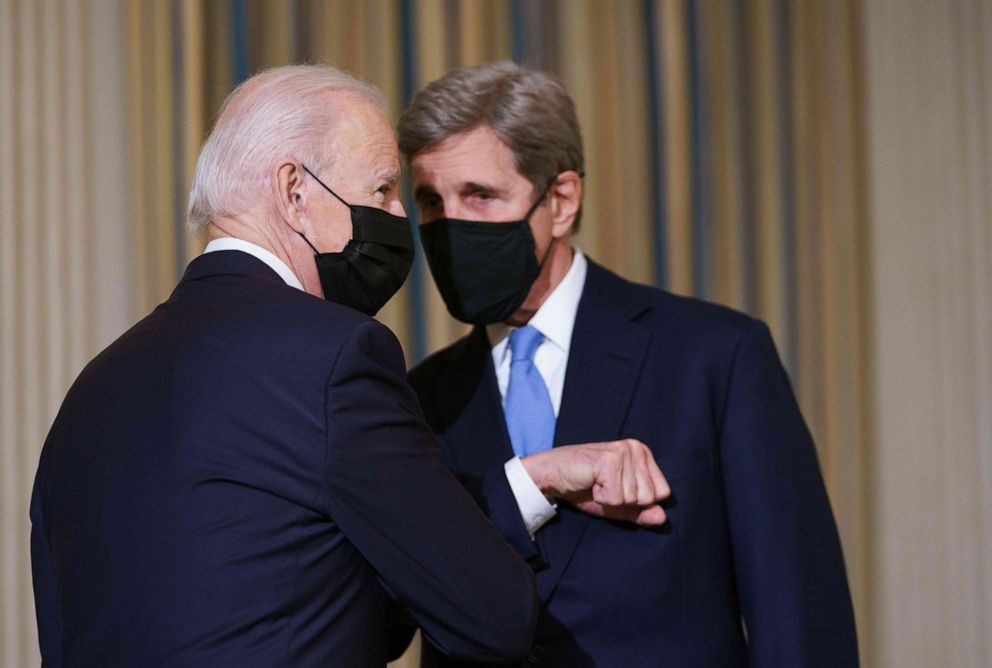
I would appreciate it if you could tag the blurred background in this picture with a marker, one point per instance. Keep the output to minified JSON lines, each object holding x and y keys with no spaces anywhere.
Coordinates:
{"x":823,"y":165}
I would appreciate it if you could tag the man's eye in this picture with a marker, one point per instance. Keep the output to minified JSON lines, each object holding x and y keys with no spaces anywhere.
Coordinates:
{"x":381,"y":193}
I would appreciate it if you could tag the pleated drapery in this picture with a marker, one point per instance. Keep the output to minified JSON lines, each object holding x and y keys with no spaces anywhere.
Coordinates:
{"x":723,"y":142}
{"x":65,"y":264}
{"x":819,"y":164}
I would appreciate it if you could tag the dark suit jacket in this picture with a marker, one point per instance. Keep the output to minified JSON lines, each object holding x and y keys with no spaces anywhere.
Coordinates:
{"x":233,"y":481}
{"x":750,"y":532}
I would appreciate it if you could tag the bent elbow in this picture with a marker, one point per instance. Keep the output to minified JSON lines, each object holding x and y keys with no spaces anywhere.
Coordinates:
{"x":514,"y":627}
{"x":501,"y":624}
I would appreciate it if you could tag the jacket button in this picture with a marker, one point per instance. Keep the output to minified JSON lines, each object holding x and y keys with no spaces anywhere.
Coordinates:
{"x":536,"y":655}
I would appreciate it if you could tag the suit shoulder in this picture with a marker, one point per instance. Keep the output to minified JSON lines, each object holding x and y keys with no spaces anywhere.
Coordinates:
{"x":697,"y":314}
{"x":300,"y":308}
{"x":340,"y":331}
{"x":692,"y":321}
{"x":293,"y":326}
{"x":307,"y":320}
{"x":698,"y":329}
{"x":655,"y":303}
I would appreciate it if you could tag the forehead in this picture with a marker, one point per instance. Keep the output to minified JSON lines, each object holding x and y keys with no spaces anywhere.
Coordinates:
{"x":476,"y":156}
{"x":361,"y":133}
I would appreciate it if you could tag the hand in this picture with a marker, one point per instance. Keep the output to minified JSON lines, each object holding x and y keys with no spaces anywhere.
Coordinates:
{"x":617,"y":480}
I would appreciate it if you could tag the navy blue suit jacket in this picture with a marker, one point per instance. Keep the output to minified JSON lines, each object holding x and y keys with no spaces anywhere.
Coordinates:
{"x":750,"y":534}
{"x":240,"y":479}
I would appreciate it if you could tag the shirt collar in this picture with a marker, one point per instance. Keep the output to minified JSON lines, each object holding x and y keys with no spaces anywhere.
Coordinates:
{"x":556,"y":317}
{"x":269,"y":258}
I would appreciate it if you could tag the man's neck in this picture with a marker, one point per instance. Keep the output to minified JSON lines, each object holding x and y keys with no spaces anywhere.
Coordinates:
{"x":277,"y":242}
{"x":556,"y":266}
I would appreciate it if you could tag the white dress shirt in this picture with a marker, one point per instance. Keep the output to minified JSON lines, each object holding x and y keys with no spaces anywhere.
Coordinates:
{"x":269,"y":258}
{"x":555,"y":320}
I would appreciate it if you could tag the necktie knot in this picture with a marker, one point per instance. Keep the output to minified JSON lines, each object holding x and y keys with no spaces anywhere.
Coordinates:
{"x":524,"y":343}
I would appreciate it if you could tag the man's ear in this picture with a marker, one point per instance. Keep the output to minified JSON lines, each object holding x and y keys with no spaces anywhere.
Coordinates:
{"x":566,"y":200}
{"x":290,"y":193}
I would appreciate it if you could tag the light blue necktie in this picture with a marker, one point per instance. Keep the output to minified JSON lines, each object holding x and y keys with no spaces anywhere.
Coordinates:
{"x":530,"y":418}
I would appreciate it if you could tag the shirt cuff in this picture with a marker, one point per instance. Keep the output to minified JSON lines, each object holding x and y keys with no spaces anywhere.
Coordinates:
{"x":535,"y":509}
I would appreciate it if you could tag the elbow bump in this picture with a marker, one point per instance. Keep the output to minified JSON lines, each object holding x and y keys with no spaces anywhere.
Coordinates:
{"x":511,"y":642}
{"x":520,"y":620}
{"x":503,"y":629}
{"x":505,"y":640}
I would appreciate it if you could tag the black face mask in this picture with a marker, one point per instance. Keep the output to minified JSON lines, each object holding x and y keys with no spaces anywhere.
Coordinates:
{"x":373,"y":265}
{"x":483,"y":270}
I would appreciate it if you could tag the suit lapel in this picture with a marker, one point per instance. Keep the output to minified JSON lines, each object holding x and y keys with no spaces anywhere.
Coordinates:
{"x":604,"y":363}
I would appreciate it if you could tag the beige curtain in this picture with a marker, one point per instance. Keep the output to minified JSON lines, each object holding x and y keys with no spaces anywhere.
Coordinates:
{"x":822,"y":165}
{"x":928,"y":77}
{"x":66,"y":267}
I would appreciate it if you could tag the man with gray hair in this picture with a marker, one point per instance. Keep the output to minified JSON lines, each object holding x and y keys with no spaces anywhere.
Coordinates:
{"x":741,"y":565}
{"x":245,"y":478}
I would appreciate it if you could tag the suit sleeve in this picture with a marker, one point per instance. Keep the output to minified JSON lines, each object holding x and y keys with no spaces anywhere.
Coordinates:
{"x":492,"y":492}
{"x":43,"y":578}
{"x":497,"y":500}
{"x":786,"y":550}
{"x":410,"y":518}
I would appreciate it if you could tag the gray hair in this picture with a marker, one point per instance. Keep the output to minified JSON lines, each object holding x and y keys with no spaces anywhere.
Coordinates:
{"x":279,"y":112}
{"x":527,"y":109}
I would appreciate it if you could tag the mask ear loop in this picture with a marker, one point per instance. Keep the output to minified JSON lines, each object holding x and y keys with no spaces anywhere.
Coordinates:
{"x":537,"y":203}
{"x":315,"y":251}
{"x":326,"y":187}
{"x":544,"y":194}
{"x":317,"y":179}
{"x":533,"y":208}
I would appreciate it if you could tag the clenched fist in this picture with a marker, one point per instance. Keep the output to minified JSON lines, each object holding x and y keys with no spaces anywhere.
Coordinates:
{"x":617,"y":479}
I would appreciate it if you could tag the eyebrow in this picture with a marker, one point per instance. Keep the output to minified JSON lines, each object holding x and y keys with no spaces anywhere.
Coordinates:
{"x":389,"y":176}
{"x":424,"y":190}
{"x":474,"y":186}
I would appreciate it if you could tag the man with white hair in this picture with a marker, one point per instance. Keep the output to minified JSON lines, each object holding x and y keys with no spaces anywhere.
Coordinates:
{"x":244,"y":477}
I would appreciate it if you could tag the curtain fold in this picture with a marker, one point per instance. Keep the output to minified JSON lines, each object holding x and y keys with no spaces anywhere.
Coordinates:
{"x":65,"y":247}
{"x":722,"y":142}
{"x":728,"y":157}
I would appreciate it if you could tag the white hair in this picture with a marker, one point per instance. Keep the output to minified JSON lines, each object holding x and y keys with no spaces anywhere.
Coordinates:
{"x":279,"y":112}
